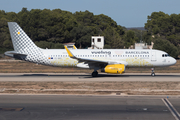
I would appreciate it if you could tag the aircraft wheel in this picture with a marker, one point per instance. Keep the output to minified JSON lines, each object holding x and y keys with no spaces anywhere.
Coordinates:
{"x":153,"y":74}
{"x":94,"y":74}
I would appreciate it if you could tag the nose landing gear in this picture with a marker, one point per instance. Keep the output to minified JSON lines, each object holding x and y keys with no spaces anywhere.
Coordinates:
{"x":152,"y":72}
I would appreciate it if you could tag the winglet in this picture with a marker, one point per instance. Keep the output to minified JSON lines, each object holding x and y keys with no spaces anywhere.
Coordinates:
{"x":74,"y":47}
{"x":69,"y":52}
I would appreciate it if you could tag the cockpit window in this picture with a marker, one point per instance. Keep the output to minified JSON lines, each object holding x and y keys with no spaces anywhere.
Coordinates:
{"x":165,"y":55}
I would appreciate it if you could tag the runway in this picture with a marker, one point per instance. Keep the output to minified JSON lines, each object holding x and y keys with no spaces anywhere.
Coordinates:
{"x":80,"y":77}
{"x":18,"y":106}
{"x":69,"y":107}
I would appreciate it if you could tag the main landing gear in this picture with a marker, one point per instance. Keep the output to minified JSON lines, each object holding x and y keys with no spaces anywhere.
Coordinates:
{"x":94,"y":74}
{"x":152,"y":72}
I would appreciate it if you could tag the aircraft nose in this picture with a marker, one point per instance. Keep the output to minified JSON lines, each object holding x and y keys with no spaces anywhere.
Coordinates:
{"x":173,"y":61}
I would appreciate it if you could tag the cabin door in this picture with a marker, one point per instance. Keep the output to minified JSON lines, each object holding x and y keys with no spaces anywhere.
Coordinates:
{"x":153,"y":56}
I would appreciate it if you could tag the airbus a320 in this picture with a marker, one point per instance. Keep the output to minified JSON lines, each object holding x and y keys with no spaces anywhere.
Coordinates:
{"x":107,"y":60}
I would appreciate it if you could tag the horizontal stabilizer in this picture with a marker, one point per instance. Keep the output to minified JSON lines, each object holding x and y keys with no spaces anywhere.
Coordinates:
{"x":12,"y":53}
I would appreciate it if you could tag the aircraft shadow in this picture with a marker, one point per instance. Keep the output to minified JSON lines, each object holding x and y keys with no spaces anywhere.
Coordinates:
{"x":88,"y":75}
{"x":110,"y":75}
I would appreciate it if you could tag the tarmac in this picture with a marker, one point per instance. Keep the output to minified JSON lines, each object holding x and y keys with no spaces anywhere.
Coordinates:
{"x":80,"y":77}
{"x":78,"y":107}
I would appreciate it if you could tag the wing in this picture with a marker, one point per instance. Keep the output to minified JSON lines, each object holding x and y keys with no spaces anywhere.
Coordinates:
{"x":93,"y":60}
{"x":83,"y":59}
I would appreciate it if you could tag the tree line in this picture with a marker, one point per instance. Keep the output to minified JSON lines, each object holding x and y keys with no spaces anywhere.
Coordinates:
{"x":51,"y":28}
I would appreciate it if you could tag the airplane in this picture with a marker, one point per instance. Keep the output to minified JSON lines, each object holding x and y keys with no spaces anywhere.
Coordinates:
{"x":113,"y":61}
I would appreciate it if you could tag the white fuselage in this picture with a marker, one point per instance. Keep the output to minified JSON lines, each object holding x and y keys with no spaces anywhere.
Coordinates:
{"x":131,"y":57}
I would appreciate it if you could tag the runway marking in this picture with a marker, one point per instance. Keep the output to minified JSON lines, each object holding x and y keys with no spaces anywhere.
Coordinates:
{"x":174,"y":112}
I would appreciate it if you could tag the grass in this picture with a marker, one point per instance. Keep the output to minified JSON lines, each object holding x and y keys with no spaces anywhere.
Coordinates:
{"x":130,"y":88}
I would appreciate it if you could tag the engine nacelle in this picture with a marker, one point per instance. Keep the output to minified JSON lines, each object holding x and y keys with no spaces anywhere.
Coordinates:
{"x":115,"y":68}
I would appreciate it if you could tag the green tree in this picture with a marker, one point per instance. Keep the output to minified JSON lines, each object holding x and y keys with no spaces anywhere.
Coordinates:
{"x":165,"y":45}
{"x":82,"y":36}
{"x":112,"y":38}
{"x":130,"y":38}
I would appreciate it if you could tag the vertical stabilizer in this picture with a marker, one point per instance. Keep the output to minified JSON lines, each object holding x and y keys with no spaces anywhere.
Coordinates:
{"x":24,"y":45}
{"x":21,"y":42}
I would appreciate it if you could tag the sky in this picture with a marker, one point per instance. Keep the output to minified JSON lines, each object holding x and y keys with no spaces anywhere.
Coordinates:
{"x":127,"y":13}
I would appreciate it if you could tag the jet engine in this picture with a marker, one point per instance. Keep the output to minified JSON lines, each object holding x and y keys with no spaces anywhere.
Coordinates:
{"x":115,"y":68}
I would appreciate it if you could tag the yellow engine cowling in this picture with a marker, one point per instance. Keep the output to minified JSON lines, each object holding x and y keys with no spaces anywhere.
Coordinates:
{"x":115,"y":68}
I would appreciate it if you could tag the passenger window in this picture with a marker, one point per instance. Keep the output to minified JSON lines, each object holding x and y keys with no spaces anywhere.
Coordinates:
{"x":163,"y":55}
